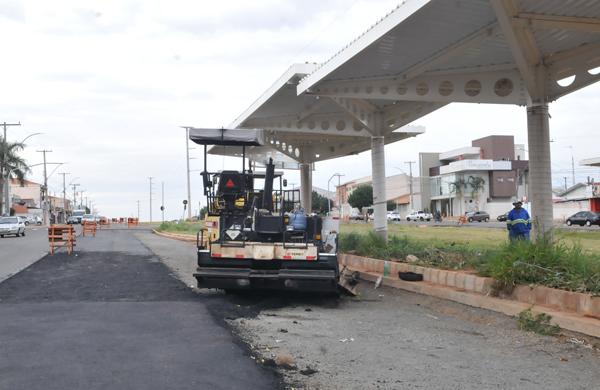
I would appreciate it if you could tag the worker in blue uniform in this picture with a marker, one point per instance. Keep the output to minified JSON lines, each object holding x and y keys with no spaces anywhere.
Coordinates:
{"x":518,"y":222}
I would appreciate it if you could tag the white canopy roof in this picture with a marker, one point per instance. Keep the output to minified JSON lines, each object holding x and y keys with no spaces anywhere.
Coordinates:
{"x":309,"y":128}
{"x":481,"y":51}
{"x":592,"y":162}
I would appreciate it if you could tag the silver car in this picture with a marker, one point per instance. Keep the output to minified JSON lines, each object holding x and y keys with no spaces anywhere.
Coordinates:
{"x":12,"y":225}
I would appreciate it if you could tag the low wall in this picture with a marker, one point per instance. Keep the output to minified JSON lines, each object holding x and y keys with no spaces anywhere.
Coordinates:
{"x":567,"y":301}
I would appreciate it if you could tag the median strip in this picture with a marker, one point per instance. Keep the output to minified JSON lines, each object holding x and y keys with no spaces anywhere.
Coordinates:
{"x":572,"y":311}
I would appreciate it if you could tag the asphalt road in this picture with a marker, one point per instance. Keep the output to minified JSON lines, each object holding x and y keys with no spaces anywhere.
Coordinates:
{"x":17,"y":253}
{"x":113,"y":317}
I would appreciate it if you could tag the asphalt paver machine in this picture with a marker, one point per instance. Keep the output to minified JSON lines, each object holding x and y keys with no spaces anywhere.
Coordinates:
{"x":260,"y":238}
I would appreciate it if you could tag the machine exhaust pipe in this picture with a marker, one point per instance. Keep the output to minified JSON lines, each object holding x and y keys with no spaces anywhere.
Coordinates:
{"x":267,"y":198}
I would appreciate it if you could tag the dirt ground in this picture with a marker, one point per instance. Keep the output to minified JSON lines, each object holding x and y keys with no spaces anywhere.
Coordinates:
{"x":391,"y":339}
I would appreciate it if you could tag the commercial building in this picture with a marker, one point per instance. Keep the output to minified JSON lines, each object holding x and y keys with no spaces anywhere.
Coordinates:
{"x":398,"y":191}
{"x":486,"y":176}
{"x":26,"y":191}
{"x":26,"y":199}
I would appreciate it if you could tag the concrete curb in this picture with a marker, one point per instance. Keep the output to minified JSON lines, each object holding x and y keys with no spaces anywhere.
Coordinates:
{"x":469,"y":290}
{"x":176,"y":236}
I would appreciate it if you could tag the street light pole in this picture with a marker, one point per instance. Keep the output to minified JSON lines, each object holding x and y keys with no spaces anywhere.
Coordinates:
{"x":187,"y":162}
{"x":329,"y":181}
{"x":410,"y":163}
{"x":150,"y":179}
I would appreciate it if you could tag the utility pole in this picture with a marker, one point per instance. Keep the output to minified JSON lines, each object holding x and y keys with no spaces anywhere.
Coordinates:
{"x":81,"y":199}
{"x":45,"y":188}
{"x":4,"y":168}
{"x":150,"y":179}
{"x":162,"y":201}
{"x":410,"y":163}
{"x":64,"y":175}
{"x":75,"y":195}
{"x":564,"y":177}
{"x":187,"y":162}
{"x":572,"y":166}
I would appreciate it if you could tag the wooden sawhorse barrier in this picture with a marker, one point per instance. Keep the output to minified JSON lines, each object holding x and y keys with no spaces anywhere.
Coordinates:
{"x":89,"y":228}
{"x":132,"y":222}
{"x":61,"y":236}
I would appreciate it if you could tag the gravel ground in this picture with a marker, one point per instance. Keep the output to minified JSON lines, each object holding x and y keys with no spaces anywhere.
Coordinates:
{"x":391,"y":339}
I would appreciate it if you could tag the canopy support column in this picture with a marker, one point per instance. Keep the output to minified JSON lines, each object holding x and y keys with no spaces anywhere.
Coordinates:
{"x":306,"y":187}
{"x":378,"y":176}
{"x":540,"y":188}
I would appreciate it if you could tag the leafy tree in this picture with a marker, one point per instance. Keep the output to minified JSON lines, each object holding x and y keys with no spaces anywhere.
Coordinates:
{"x":361,"y":197}
{"x":320,"y":204}
{"x":391,"y":206}
{"x":203,"y":212}
{"x":11,"y":165}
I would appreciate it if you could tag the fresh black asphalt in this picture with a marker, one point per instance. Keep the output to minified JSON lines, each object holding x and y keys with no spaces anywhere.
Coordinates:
{"x":113,"y":317}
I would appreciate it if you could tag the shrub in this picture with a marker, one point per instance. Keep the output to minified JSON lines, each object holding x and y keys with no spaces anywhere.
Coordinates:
{"x":539,"y":324}
{"x":183,"y":227}
{"x":434,"y":253}
{"x":545,"y":262}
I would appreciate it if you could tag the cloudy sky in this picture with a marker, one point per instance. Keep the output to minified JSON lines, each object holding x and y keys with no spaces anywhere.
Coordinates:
{"x":110,"y":82}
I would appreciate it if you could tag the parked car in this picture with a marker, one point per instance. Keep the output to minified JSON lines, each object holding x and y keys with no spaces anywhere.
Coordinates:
{"x":419,"y":216}
{"x":72,"y":220}
{"x":88,"y":218}
{"x":24,"y":220}
{"x":587,"y":218}
{"x":478,"y":216}
{"x":12,"y":225}
{"x":356,"y":215}
{"x":78,"y":215}
{"x":393,"y":216}
{"x":503,"y":217}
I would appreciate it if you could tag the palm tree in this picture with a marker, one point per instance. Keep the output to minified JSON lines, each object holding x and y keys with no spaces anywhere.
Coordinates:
{"x":12,"y":166}
{"x":458,"y":187}
{"x":477,"y":184}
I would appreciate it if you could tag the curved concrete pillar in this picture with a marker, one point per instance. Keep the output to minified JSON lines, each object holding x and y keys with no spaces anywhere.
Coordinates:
{"x":378,"y":178}
{"x":540,"y":175}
